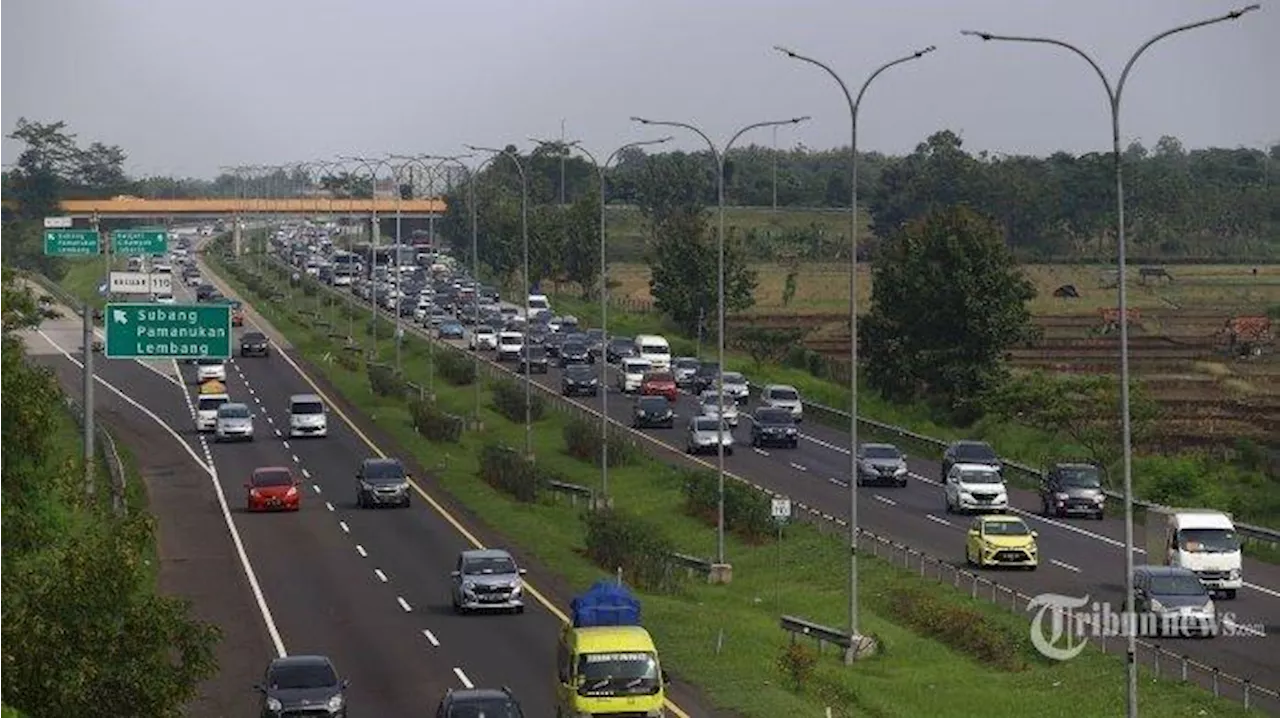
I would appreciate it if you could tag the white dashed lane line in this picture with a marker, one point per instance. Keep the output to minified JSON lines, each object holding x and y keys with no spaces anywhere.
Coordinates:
{"x":937,"y":520}
{"x":839,"y":482}
{"x":466,"y":682}
{"x":277,"y":432}
{"x":360,"y":550}
{"x":798,"y":467}
{"x":407,"y":608}
{"x":883,"y":499}
{"x":381,"y":576}
{"x":345,"y":528}
{"x":286,"y":444}
{"x":316,"y":487}
{"x":760,"y":451}
{"x":431,"y":637}
{"x":1067,"y":566}
{"x":307,"y":474}
{"x":328,"y":505}
{"x":296,"y":460}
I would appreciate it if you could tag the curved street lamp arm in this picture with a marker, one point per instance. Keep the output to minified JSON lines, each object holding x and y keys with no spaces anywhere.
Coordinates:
{"x":773,"y":123}
{"x":1124,"y":74}
{"x":666,"y":123}
{"x":1102,"y":75}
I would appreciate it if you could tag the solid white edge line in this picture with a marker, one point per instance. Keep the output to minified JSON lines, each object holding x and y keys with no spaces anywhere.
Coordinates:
{"x":462,"y":677}
{"x":212,"y":470}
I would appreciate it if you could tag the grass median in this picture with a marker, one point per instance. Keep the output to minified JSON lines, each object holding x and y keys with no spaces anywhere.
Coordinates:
{"x":725,"y":639}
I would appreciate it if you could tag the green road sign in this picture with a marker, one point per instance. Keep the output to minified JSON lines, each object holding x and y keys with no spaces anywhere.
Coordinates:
{"x":71,"y":242}
{"x":168,"y":331}
{"x":140,"y":241}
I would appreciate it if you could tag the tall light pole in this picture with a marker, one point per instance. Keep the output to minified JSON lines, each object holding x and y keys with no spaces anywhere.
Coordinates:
{"x":718,"y":156}
{"x":524,"y":235}
{"x":372,"y":166}
{"x":601,"y":170}
{"x":1114,"y":95}
{"x":322,"y":167}
{"x":854,"y":105}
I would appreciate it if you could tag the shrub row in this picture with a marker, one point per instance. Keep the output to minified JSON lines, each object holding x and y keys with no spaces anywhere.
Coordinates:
{"x":384,"y":381}
{"x":457,"y":369}
{"x":434,"y":424}
{"x":509,"y":471}
{"x":620,"y":540}
{"x":347,"y":361}
{"x":508,"y":399}
{"x":747,"y":512}
{"x":961,"y":627}
{"x":583,"y":439}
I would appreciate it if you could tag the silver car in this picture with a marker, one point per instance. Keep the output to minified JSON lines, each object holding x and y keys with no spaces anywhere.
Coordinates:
{"x":782,"y":396}
{"x":709,"y":403}
{"x":881,"y":464}
{"x":705,"y":434}
{"x":736,"y":386}
{"x":488,"y":580}
{"x":684,"y":368}
{"x":234,"y":422}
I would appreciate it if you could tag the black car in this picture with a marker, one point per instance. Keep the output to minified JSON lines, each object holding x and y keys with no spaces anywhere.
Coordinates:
{"x":774,"y":427}
{"x":382,"y":482}
{"x":254,"y":344}
{"x":575,"y":353}
{"x":652,"y":411}
{"x":970,"y":452}
{"x":204,"y":292}
{"x":302,"y":685}
{"x":533,"y":359}
{"x":595,"y":342}
{"x":553,"y":344}
{"x":479,"y":702}
{"x":619,"y":348}
{"x":579,"y":379}
{"x":1073,"y":489}
{"x":705,"y":377}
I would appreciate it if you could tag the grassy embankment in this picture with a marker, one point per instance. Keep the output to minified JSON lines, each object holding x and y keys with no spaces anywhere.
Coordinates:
{"x":725,"y":638}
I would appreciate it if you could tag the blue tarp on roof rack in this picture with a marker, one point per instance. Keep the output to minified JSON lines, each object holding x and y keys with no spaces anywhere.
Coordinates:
{"x":606,"y":603}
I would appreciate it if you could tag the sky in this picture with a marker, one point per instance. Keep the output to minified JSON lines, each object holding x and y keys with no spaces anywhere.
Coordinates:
{"x":185,"y":87}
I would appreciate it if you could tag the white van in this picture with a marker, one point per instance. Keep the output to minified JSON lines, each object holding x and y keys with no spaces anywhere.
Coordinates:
{"x":207,"y":406}
{"x":1202,"y":540}
{"x":655,"y":349}
{"x":307,"y":416}
{"x":538,"y":303}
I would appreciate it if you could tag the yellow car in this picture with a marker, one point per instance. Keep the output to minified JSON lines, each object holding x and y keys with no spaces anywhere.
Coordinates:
{"x":1000,"y":540}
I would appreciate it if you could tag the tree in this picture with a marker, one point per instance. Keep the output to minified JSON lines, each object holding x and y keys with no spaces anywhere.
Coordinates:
{"x":580,"y":251}
{"x":765,"y":344}
{"x":683,"y":262}
{"x":946,"y":301}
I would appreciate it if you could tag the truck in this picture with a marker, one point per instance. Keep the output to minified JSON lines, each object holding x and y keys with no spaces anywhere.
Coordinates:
{"x":607,"y":663}
{"x":1202,"y":540}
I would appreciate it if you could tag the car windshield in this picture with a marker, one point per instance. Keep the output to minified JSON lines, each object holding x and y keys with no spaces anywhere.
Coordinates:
{"x":209,"y":362}
{"x":712,"y":401}
{"x":595,"y":335}
{"x":618,"y":673}
{"x":1007,"y":528}
{"x":485,"y":708}
{"x":734,"y":378}
{"x":1208,"y":540}
{"x":301,"y":676}
{"x":579,"y":371}
{"x":274,"y":477}
{"x":661,"y":377}
{"x":1177,"y":585}
{"x":881,"y":452}
{"x":687,"y":364}
{"x":707,"y":425}
{"x":574,"y":348}
{"x":655,"y":349}
{"x":488,"y":565}
{"x":975,"y":452}
{"x":253,"y":338}
{"x":307,"y":407}
{"x":383,"y":470}
{"x":233,"y":411}
{"x":653,"y":403}
{"x":1080,"y":477}
{"x":979,"y":477}
{"x":484,"y":330}
{"x":210,"y":403}
{"x":774,"y":417}
{"x":622,"y":343}
{"x":785,"y":394}
{"x":636,"y":367}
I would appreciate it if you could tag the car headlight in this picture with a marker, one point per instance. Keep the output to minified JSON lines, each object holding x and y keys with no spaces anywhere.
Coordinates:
{"x":1233,"y":574}
{"x":273,"y":704}
{"x":335,"y":702}
{"x":1061,"y":497}
{"x":1157,"y":606}
{"x":468,"y":585}
{"x":516,"y":589}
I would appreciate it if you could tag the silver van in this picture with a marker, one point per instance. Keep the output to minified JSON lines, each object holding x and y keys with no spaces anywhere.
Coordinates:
{"x":308,"y":416}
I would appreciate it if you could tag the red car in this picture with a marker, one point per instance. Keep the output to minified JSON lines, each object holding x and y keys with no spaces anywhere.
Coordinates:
{"x":273,"y":488}
{"x":660,"y":383}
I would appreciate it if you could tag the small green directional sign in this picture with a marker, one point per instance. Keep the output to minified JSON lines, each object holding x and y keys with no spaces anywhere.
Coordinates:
{"x":71,"y":242}
{"x":168,"y":331}
{"x":149,"y":242}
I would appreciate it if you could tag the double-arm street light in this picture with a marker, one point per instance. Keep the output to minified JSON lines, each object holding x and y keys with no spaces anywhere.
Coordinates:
{"x":524,"y":235}
{"x":372,"y":166}
{"x":601,"y":170}
{"x":855,"y":103}
{"x":719,"y":156}
{"x":1114,"y":93}
{"x":322,"y":168}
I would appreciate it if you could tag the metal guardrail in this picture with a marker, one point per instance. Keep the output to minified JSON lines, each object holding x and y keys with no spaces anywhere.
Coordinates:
{"x":823,"y":634}
{"x":1166,"y":664}
{"x":106,"y":446}
{"x":693,"y":564}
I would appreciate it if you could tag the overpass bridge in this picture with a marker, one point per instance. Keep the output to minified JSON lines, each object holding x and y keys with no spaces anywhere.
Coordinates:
{"x":225,"y":207}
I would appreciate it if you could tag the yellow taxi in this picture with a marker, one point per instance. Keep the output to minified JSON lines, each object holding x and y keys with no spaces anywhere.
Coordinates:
{"x":1001,"y":540}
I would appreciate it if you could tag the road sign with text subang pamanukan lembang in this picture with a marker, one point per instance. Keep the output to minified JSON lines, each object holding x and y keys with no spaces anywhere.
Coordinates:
{"x":168,"y":331}
{"x":149,"y":242}
{"x":71,"y":242}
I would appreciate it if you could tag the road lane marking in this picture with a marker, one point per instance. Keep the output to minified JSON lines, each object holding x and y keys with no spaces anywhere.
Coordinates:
{"x":328,"y":505}
{"x":1067,"y":566}
{"x":407,"y":608}
{"x":759,"y":451}
{"x":431,"y":637}
{"x":839,"y":482}
{"x":345,"y":528}
{"x":381,"y":576}
{"x":798,"y":467}
{"x":306,"y":475}
{"x":883,"y":499}
{"x":286,"y":443}
{"x":296,"y":460}
{"x":360,"y":550}
{"x":937,"y":520}
{"x":466,"y":682}
{"x":277,"y":433}
{"x":212,"y":470}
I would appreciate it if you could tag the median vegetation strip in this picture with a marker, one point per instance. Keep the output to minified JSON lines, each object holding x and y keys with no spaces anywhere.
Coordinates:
{"x":724,"y":638}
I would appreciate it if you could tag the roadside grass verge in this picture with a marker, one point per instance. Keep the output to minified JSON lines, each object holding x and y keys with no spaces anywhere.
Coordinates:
{"x":725,"y":639}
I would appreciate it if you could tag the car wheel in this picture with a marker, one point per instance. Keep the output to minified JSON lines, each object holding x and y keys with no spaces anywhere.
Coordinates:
{"x":519,"y":610}
{"x":902,"y":483}
{"x":795,"y":443}
{"x":360,"y":501}
{"x":728,"y":451}
{"x":405,"y":504}
{"x":1230,"y":594}
{"x":950,"y":508}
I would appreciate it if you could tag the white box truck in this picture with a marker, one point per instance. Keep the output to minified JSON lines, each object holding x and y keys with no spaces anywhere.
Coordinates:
{"x":1202,"y":540}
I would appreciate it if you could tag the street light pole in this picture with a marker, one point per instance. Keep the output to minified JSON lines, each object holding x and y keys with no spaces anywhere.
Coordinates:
{"x":601,"y":169}
{"x":524,"y":234}
{"x":854,"y":105}
{"x":372,"y":166}
{"x":719,"y":157}
{"x":1114,"y":95}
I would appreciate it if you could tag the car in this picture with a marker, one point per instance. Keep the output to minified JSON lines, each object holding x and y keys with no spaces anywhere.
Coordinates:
{"x":509,"y":345}
{"x":660,"y":383}
{"x":881,"y":464}
{"x":579,"y":379}
{"x":382,"y":482}
{"x":652,"y":411}
{"x":307,"y":416}
{"x":736,"y":386}
{"x":213,"y":395}
{"x":210,"y":370}
{"x":193,"y":279}
{"x":1072,"y":489}
{"x":783,"y":396}
{"x":707,"y":433}
{"x":619,"y":348}
{"x":272,"y":488}
{"x":204,"y":292}
{"x":533,"y":359}
{"x":303,"y":685}
{"x":631,"y":374}
{"x":487,"y":579}
{"x":234,"y":422}
{"x":483,"y":337}
{"x":970,"y":452}
{"x":704,"y":377}
{"x":595,"y":342}
{"x":1001,"y":540}
{"x":479,"y":703}
{"x":771,"y":426}
{"x":575,"y":352}
{"x":709,"y":405}
{"x":975,"y":487}
{"x":237,"y":313}
{"x":1175,"y":599}
{"x":450,"y":329}
{"x":165,"y":299}
{"x":254,"y":344}
{"x":684,"y":369}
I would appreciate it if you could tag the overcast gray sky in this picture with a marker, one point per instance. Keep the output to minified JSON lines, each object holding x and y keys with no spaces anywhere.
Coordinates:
{"x":187,"y":86}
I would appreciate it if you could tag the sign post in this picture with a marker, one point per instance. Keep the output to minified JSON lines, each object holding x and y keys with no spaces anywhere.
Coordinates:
{"x":72,"y":242}
{"x":168,"y":331}
{"x":781,"y":510}
{"x":147,"y":242}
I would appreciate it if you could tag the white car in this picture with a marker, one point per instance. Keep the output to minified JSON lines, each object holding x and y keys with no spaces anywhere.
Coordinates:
{"x":736,"y":386}
{"x":207,"y":410}
{"x":510,"y":344}
{"x":782,"y":396}
{"x":307,"y":416}
{"x":233,"y":422}
{"x":194,"y":280}
{"x":975,"y":487}
{"x":631,"y":374}
{"x":483,"y":337}
{"x":709,"y":403}
{"x":210,"y":370}
{"x":165,"y":299}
